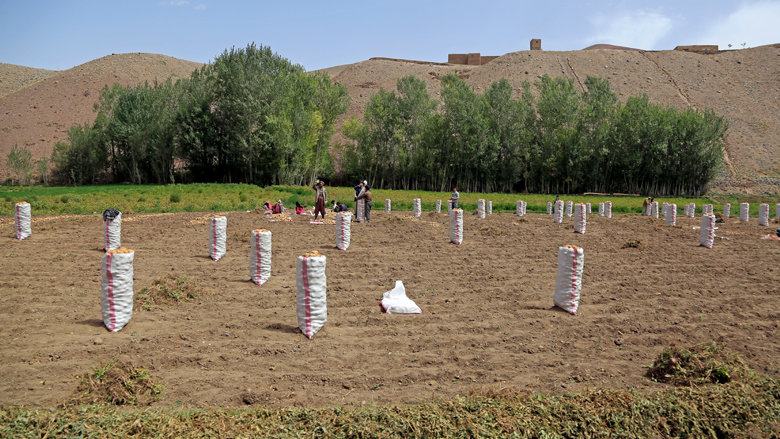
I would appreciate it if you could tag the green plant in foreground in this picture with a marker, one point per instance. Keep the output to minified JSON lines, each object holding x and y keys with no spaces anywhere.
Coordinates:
{"x":117,"y":383}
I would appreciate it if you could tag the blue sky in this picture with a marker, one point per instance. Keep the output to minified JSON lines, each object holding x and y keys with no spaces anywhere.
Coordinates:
{"x":58,"y":35}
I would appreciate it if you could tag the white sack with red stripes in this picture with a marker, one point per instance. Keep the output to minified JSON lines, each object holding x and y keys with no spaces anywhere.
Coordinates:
{"x":587,"y":208}
{"x":707,"y":208}
{"x":416,"y":207}
{"x":311,"y":303}
{"x":692,"y":210}
{"x":395,"y":301}
{"x":456,"y":226}
{"x":671,"y":215}
{"x":569,"y":283}
{"x":744,"y":212}
{"x":763,"y":214}
{"x":519,"y":208}
{"x":116,"y":295}
{"x":707,"y":234}
{"x":343,"y":224}
{"x":112,"y":233}
{"x":387,"y":205}
{"x":480,"y":208}
{"x":360,"y":211}
{"x":580,"y":218}
{"x":727,"y":210}
{"x":654,"y":209}
{"x":23,"y":216}
{"x":449,"y":206}
{"x":217,"y":237}
{"x":558,"y":217}
{"x":549,"y":208}
{"x":525,"y":207}
{"x":489,"y":208}
{"x":608,"y":209}
{"x":260,"y":256}
{"x":663,"y":208}
{"x":569,"y":207}
{"x":438,"y":206}
{"x":601,"y":209}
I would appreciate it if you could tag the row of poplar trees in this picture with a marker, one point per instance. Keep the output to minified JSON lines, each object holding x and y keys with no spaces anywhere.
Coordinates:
{"x":249,"y":116}
{"x":552,"y":138}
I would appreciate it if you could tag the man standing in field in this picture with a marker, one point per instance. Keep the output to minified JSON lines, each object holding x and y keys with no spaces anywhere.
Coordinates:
{"x":366,"y":195}
{"x":320,"y":195}
{"x":455,"y":197}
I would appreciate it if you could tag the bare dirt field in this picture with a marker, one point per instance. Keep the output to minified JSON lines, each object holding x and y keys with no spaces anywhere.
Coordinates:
{"x":488,"y":320}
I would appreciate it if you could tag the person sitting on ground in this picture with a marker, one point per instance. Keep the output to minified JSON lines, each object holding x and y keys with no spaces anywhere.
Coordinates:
{"x":366,"y":195}
{"x":267,"y":206}
{"x":299,"y":210}
{"x":340,"y":207}
{"x":278,"y":207}
{"x":334,"y":204}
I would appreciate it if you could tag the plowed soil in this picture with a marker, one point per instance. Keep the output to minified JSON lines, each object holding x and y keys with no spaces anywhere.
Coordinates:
{"x":488,"y":320}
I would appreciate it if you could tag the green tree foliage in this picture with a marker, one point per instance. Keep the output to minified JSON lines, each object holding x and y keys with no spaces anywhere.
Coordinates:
{"x":559,"y":139}
{"x":250,"y":116}
{"x":19,"y":161}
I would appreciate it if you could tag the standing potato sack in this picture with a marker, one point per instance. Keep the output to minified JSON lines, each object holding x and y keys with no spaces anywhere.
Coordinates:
{"x":218,"y":237}
{"x":112,"y":229}
{"x":361,"y":210}
{"x":558,"y":218}
{"x":671,"y":215}
{"x":580,"y":218}
{"x":490,"y":207}
{"x":777,"y":210}
{"x":481,"y":208}
{"x":456,"y":226}
{"x":601,"y":209}
{"x":608,"y":209}
{"x":707,"y":234}
{"x":416,"y":208}
{"x":387,"y":205}
{"x":449,"y":206}
{"x":311,"y":302}
{"x":116,"y":294}
{"x":260,"y":256}
{"x":343,"y":224}
{"x":568,"y":285}
{"x":587,"y":208}
{"x":727,"y":210}
{"x":654,"y":209}
{"x":744,"y":212}
{"x":519,"y":208}
{"x":23,"y":216}
{"x":549,"y":208}
{"x":438,"y":206}
{"x":763,"y":214}
{"x":525,"y":207}
{"x":569,"y":207}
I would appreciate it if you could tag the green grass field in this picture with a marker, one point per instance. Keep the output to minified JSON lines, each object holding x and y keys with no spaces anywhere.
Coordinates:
{"x":225,"y":197}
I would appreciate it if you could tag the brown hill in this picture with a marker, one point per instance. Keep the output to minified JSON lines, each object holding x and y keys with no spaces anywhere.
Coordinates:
{"x":42,"y":104}
{"x":743,"y":85}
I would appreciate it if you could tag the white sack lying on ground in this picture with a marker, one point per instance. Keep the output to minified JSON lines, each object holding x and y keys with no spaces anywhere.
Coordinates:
{"x":707,"y":234}
{"x":763,"y":214}
{"x":311,"y":302}
{"x":260,"y":256}
{"x":23,"y":216}
{"x":343,"y":230}
{"x":744,"y":212}
{"x":387,"y":205}
{"x":481,"y":208}
{"x":569,"y":281}
{"x":116,"y":293}
{"x":396,"y":302}
{"x":456,"y":226}
{"x":218,"y":237}
{"x":438,"y":206}
{"x":112,"y":232}
{"x":671,"y":215}
{"x":580,"y":218}
{"x":417,"y":208}
{"x":360,"y":211}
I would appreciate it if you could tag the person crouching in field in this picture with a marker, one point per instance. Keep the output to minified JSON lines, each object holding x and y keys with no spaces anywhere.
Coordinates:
{"x":299,"y":210}
{"x":455,"y":197}
{"x":366,"y":195}
{"x":320,"y":195}
{"x":278,"y":207}
{"x":338,"y":207}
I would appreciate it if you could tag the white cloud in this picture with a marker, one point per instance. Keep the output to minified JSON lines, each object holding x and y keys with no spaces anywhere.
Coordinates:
{"x":200,"y":7}
{"x":755,"y":24}
{"x":175,"y":3}
{"x":638,"y":29}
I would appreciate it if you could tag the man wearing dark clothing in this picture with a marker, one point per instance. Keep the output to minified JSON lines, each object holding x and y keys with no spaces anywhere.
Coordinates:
{"x":366,"y":195}
{"x":320,"y":195}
